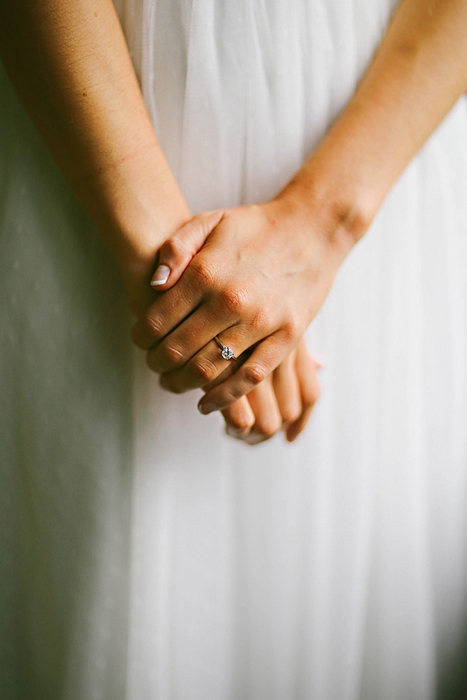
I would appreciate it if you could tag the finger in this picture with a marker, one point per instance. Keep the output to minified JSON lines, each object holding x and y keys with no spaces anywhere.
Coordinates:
{"x":177,"y":252}
{"x":141,"y":336}
{"x":268,"y":354}
{"x":317,"y":360}
{"x":268,"y":420}
{"x":287,"y":391}
{"x":206,"y":365}
{"x":186,"y":340}
{"x":231,"y":368}
{"x":239,"y":418}
{"x":310,"y":390}
{"x":167,"y":312}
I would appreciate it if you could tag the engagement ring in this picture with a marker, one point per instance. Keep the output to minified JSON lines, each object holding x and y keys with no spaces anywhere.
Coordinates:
{"x":226,"y":352}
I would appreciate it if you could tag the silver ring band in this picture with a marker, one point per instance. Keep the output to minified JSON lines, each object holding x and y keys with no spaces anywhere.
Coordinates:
{"x":226,"y":352}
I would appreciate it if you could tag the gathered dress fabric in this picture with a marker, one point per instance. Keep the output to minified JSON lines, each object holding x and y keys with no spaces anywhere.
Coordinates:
{"x":145,"y":555}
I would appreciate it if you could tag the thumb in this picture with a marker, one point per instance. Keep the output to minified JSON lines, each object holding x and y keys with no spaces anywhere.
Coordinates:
{"x":177,"y":252}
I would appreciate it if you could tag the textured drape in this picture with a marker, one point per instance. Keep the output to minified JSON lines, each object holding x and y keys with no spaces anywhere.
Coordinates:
{"x":146,"y":555}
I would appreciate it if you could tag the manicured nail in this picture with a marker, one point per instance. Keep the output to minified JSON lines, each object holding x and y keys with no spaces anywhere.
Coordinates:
{"x":161,"y":275}
{"x":206,"y":408}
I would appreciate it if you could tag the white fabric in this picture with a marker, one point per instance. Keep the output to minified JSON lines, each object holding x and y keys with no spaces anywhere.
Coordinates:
{"x":145,"y":555}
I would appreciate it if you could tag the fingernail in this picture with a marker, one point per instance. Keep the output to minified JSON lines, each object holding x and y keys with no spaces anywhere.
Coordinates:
{"x":161,"y":275}
{"x":234,"y":432}
{"x":206,"y":408}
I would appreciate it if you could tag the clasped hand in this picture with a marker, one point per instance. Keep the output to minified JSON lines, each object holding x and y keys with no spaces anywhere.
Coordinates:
{"x":254,"y":276}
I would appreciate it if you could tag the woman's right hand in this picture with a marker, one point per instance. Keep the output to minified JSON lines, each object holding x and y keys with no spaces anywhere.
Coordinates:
{"x":283,"y":401}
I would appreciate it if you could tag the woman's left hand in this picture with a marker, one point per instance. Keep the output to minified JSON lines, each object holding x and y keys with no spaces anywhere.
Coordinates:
{"x":258,"y":280}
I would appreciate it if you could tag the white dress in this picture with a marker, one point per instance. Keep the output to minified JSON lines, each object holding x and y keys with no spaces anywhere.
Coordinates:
{"x":144,"y":555}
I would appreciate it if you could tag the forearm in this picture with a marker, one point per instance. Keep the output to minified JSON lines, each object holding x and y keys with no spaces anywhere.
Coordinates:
{"x":415,"y":78}
{"x":71,"y":68}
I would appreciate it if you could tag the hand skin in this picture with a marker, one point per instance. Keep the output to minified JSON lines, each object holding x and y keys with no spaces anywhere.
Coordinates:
{"x":70,"y":66}
{"x":265,"y":270}
{"x":90,"y":113}
{"x":284,"y":400}
{"x":295,"y":274}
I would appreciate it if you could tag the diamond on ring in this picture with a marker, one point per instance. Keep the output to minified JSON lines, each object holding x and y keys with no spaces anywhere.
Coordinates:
{"x":226,"y":352}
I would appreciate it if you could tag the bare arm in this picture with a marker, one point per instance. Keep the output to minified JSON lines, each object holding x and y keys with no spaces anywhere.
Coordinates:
{"x":70,"y":66}
{"x":296,"y":243}
{"x":415,"y":78}
{"x":69,"y":63}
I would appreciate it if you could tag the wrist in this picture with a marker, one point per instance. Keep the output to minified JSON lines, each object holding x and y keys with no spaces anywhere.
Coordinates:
{"x":135,"y":211}
{"x":353,"y":168}
{"x":141,"y":231}
{"x":325,"y":213}
{"x":137,"y":258}
{"x":335,"y":195}
{"x":135,"y":204}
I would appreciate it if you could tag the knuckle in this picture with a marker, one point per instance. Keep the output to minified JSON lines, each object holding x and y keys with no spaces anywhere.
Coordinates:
{"x":234,"y":300}
{"x":240,"y":424}
{"x":290,"y":330}
{"x":290,"y":414}
{"x":171,"y":354}
{"x":311,"y":396}
{"x":260,"y":319}
{"x":152,"y":324}
{"x":255,"y":374}
{"x":204,"y":272}
{"x":267,"y":428}
{"x":174,"y":247}
{"x":204,"y":371}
